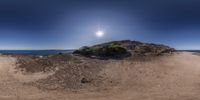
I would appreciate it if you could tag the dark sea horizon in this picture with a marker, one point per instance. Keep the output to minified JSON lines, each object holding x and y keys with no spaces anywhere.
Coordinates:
{"x":189,"y":50}
{"x":51,"y":52}
{"x":34,"y":52}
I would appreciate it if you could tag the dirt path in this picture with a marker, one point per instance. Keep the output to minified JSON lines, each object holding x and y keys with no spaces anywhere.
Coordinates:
{"x":10,"y":87}
{"x":181,"y":83}
{"x":169,"y":78}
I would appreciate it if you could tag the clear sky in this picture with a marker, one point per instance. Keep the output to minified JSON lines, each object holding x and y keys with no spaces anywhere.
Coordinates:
{"x":68,"y":24}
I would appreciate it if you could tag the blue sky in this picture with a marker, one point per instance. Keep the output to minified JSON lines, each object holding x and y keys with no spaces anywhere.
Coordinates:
{"x":69,"y":24}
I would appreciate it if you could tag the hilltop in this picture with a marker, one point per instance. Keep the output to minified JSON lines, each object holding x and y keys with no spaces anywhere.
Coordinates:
{"x":124,"y":48}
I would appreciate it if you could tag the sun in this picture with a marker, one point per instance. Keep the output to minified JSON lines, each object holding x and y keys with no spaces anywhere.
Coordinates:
{"x":100,"y":33}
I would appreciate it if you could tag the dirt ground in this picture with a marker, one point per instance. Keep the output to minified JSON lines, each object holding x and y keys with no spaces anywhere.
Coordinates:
{"x":174,"y":77}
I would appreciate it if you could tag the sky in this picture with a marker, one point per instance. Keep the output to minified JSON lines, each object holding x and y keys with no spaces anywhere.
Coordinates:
{"x":70,"y":24}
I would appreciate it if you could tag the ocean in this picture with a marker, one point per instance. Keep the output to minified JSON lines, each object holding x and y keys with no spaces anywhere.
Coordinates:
{"x":51,"y":52}
{"x":34,"y":52}
{"x":189,"y":51}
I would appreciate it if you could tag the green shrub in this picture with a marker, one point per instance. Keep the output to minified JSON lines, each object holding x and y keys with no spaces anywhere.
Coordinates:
{"x":86,"y":51}
{"x":109,"y":50}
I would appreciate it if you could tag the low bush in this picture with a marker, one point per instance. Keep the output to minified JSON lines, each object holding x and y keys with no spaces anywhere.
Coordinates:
{"x":109,"y":50}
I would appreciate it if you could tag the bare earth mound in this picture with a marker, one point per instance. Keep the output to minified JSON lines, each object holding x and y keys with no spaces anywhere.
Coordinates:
{"x":171,"y":77}
{"x":174,"y":77}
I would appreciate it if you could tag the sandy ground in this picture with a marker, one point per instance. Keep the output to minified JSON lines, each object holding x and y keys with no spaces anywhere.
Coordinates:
{"x":167,"y":78}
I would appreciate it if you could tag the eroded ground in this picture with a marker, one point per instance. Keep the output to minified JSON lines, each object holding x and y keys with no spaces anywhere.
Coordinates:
{"x":175,"y":77}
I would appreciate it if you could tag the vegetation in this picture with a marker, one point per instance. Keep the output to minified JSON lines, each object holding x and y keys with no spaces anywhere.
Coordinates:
{"x":109,"y":50}
{"x":118,"y":49}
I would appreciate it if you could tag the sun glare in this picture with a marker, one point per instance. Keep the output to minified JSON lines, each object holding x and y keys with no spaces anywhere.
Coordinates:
{"x":99,"y":33}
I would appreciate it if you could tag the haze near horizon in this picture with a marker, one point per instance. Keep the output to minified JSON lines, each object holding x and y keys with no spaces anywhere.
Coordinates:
{"x":59,"y":24}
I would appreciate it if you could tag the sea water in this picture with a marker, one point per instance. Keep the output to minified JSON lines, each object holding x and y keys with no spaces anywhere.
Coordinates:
{"x":189,"y":51}
{"x":34,"y":52}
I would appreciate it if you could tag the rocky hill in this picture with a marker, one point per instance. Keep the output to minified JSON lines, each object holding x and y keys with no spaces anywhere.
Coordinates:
{"x":124,"y":48}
